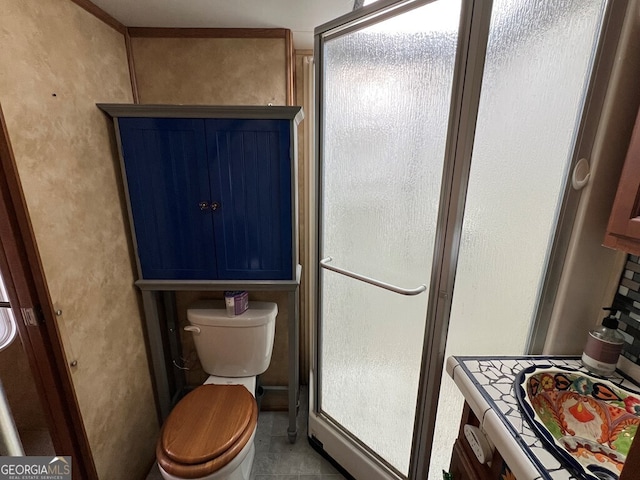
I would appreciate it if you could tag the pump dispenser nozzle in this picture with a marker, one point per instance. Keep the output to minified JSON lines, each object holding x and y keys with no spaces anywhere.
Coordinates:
{"x":612,"y":320}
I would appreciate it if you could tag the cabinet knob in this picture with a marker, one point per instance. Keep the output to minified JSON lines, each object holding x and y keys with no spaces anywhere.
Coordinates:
{"x":206,"y":206}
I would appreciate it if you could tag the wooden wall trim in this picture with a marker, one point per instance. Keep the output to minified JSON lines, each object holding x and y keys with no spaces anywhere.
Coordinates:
{"x":290,"y":55}
{"x":132,"y":67}
{"x":27,"y":288}
{"x":154,"y":32}
{"x":101,"y":15}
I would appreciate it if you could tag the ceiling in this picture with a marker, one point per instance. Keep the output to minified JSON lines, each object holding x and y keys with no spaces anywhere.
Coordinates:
{"x":299,"y":16}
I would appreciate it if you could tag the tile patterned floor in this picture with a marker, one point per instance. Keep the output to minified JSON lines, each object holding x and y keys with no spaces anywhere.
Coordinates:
{"x":276,"y":458}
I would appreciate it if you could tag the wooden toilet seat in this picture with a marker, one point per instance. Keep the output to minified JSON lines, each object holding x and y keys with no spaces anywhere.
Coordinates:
{"x":206,"y":430}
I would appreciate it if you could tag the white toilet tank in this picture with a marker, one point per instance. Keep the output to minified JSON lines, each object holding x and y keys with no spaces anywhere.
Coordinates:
{"x":237,"y":346}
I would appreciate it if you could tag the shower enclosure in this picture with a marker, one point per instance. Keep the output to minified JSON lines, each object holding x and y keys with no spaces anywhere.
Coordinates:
{"x":447,"y":131}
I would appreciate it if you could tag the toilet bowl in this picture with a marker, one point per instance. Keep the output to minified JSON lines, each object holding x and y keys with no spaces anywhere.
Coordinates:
{"x":209,"y":435}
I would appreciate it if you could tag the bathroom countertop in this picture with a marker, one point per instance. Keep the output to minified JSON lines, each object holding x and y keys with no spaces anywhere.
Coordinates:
{"x":487,"y":384}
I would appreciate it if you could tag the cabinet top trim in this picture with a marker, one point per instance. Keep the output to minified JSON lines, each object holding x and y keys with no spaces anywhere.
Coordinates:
{"x":220,"y":285}
{"x":116,"y":110}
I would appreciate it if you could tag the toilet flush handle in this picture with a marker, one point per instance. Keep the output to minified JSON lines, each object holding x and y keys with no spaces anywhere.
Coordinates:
{"x":191,"y":328}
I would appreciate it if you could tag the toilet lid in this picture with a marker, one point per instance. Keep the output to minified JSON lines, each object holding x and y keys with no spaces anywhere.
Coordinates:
{"x":208,"y":422}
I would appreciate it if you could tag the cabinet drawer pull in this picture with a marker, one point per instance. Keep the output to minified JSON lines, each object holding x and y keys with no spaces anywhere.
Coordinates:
{"x":203,"y":205}
{"x":215,"y":206}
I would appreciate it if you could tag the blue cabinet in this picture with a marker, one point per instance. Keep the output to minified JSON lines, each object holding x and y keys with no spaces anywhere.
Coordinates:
{"x":210,"y":190}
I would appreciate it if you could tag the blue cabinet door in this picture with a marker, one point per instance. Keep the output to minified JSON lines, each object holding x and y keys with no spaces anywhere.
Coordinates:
{"x":251,"y":179}
{"x":168,"y":176}
{"x":243,"y":167}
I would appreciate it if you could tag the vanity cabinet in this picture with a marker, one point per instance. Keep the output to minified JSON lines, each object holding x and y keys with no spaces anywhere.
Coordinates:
{"x":632,"y":463}
{"x":623,"y":230}
{"x":464,"y":463}
{"x":210,"y":190}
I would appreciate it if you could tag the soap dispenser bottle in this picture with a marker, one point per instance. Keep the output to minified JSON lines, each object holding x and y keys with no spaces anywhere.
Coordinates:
{"x":603,"y":346}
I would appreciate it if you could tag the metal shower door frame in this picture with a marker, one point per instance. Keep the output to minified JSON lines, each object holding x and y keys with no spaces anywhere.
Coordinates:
{"x":468,"y":74}
{"x":473,"y":32}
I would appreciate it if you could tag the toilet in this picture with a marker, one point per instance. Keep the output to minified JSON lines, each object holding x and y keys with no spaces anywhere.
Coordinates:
{"x":209,"y":434}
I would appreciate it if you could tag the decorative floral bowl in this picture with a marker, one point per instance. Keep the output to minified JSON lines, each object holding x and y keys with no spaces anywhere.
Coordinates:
{"x":586,"y":422}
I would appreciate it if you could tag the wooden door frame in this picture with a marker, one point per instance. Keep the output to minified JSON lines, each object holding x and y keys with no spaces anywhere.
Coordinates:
{"x":27,"y":289}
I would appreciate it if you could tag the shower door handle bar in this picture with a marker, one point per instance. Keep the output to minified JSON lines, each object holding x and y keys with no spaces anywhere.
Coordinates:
{"x":324,"y":263}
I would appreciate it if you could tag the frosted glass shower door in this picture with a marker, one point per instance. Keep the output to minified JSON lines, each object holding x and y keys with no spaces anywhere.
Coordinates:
{"x":385,"y":94}
{"x":539,"y":63}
